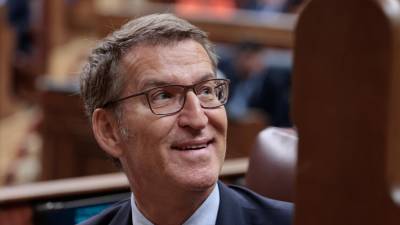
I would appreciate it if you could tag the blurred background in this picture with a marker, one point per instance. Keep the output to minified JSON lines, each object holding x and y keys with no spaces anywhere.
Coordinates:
{"x":44,"y":134}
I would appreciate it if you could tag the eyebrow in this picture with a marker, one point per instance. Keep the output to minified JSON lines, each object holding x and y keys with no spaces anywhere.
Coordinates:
{"x":151,"y":83}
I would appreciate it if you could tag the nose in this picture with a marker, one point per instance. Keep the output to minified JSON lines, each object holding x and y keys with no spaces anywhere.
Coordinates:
{"x":192,"y":114}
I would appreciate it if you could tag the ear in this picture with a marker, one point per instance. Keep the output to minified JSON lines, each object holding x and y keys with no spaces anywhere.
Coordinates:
{"x":106,"y":132}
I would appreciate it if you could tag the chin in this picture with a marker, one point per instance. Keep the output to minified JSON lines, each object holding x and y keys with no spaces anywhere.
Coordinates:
{"x":200,"y":183}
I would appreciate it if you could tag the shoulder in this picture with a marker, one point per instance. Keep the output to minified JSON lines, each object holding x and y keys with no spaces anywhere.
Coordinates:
{"x":119,"y":213}
{"x":253,"y":208}
{"x":253,"y":200}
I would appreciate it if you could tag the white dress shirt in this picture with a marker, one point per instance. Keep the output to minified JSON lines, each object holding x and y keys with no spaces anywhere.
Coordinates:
{"x":206,"y":214}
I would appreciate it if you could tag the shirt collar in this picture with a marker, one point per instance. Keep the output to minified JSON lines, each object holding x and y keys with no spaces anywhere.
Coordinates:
{"x":206,"y":214}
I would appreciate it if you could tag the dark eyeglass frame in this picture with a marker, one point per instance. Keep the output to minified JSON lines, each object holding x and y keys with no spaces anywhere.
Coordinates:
{"x":186,"y":88}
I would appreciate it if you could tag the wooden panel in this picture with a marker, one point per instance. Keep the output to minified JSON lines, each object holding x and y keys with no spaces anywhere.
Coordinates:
{"x":69,"y":148}
{"x":347,"y":110}
{"x":6,"y":56}
{"x":272,"y":30}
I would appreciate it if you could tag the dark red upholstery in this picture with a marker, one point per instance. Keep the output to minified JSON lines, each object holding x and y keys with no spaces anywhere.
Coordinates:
{"x":272,"y":163}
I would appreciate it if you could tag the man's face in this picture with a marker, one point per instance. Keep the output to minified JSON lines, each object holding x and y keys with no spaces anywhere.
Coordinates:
{"x":181,"y":151}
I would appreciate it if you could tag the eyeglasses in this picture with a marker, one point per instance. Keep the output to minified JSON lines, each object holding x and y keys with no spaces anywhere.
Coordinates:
{"x":170,"y":99}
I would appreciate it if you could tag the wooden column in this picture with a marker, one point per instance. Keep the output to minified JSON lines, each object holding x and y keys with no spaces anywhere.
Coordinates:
{"x":6,"y":56}
{"x":347,"y":110}
{"x":53,"y":27}
{"x":56,"y":21}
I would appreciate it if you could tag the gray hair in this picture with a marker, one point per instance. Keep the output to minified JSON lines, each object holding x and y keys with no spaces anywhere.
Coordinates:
{"x":102,"y":77}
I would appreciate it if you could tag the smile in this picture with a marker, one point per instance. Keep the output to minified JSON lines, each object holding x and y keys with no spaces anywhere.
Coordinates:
{"x":192,"y":145}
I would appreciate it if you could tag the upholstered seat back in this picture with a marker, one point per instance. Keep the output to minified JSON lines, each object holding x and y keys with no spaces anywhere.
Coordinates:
{"x":272,"y":163}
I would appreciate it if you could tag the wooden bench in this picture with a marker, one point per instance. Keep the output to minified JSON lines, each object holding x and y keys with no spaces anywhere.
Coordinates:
{"x":28,"y":204}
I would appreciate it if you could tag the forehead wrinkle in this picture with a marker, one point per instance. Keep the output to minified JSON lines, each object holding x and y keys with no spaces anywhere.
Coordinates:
{"x":187,"y":60}
{"x":144,"y":63}
{"x":136,"y":64}
{"x":183,"y":59}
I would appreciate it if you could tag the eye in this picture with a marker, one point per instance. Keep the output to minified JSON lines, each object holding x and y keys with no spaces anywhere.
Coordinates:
{"x":161,"y":95}
{"x":164,"y":96}
{"x":205,"y":90}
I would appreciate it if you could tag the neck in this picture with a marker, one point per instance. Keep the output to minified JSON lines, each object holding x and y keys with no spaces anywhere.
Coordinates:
{"x":169,"y":208}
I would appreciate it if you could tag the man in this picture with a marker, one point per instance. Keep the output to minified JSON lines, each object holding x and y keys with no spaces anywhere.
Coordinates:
{"x":156,"y":107}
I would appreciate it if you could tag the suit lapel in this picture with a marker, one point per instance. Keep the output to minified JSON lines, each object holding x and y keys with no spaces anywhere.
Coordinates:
{"x":123,"y":216}
{"x":230,"y":210}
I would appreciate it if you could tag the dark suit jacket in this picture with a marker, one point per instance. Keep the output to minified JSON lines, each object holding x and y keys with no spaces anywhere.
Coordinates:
{"x":238,"y":206}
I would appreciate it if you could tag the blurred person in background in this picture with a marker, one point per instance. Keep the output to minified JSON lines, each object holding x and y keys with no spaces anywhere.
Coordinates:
{"x":256,"y":86}
{"x":19,"y":18}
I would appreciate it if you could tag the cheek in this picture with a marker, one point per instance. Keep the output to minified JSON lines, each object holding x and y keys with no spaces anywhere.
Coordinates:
{"x":149,"y":137}
{"x":147,"y":147}
{"x":146,"y":127}
{"x":157,"y":131}
{"x":218,"y":120}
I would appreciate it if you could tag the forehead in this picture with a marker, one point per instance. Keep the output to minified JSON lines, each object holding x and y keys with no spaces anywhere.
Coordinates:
{"x":183,"y":62}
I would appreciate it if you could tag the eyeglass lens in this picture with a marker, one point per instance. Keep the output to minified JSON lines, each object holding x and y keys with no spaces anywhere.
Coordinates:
{"x":170,"y":99}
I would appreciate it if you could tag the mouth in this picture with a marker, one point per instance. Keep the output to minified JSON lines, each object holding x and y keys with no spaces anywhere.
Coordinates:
{"x":192,"y":145}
